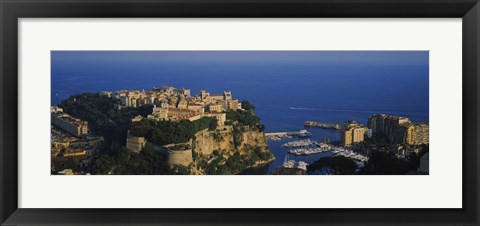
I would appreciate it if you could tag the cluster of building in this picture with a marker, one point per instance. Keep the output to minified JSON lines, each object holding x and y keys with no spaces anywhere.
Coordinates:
{"x":74,"y":126}
{"x":397,"y":129}
{"x":178,"y":104}
{"x":73,"y":153}
{"x":71,"y":144}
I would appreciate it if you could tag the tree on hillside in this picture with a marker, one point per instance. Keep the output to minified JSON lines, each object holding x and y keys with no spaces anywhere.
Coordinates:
{"x":169,"y":132}
{"x":386,"y":163}
{"x":103,"y":118}
{"x":103,"y":165}
{"x":247,"y":106}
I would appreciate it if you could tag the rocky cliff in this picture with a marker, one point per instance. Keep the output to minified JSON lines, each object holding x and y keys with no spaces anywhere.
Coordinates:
{"x":252,"y":137}
{"x":225,"y":150}
{"x":229,"y":150}
{"x":206,"y":142}
{"x":228,"y":140}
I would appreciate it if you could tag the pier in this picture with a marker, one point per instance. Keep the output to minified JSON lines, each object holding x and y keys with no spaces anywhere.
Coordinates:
{"x":322,"y":125}
{"x":280,"y":135}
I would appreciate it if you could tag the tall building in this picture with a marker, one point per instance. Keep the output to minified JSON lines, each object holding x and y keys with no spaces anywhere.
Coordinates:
{"x":382,"y":124}
{"x":401,"y":133}
{"x":398,"y":130}
{"x":346,"y":137}
{"x":386,"y":124}
{"x":420,"y":134}
{"x":352,"y":133}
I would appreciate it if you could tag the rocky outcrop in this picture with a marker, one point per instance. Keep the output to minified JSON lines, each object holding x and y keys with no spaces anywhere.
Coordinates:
{"x":227,"y":140}
{"x":206,"y":141}
{"x":223,"y":142}
{"x":247,"y":146}
{"x":254,"y":138}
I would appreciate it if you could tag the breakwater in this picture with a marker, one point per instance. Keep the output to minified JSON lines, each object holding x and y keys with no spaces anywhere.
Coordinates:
{"x":322,"y":125}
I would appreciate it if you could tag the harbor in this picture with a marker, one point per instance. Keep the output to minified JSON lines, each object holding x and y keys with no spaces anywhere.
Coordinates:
{"x":298,"y":143}
{"x":304,"y":151}
{"x":316,"y":141}
{"x":309,"y":147}
{"x":291,"y":167}
{"x":320,"y":148}
{"x":338,"y":151}
{"x":292,"y":164}
{"x":307,"y":151}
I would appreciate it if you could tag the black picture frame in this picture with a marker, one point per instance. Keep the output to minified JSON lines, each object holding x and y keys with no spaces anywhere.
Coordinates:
{"x":12,"y":10}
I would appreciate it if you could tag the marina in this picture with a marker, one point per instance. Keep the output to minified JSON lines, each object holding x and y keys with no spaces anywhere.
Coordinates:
{"x":292,"y":164}
{"x":338,"y":151}
{"x":298,"y":143}
{"x":308,"y":151}
{"x":309,"y":147}
{"x":320,"y":148}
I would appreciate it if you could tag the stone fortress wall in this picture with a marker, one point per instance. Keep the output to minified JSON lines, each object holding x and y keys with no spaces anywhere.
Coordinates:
{"x":180,"y":157}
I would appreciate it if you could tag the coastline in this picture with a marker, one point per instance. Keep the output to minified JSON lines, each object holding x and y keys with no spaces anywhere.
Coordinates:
{"x":258,"y":164}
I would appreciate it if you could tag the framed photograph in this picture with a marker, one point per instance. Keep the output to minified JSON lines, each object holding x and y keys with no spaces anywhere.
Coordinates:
{"x":226,"y":112}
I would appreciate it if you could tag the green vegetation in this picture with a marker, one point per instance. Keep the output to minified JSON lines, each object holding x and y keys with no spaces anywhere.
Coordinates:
{"x":168,"y":132}
{"x":247,"y":106}
{"x":129,"y":163}
{"x":217,"y":136}
{"x":147,"y":162}
{"x":105,"y":120}
{"x":258,"y":154}
{"x":377,"y":142}
{"x":99,"y":111}
{"x":103,"y":165}
{"x":415,"y":157}
{"x":237,"y":135}
{"x":338,"y":165}
{"x":383,"y":159}
{"x":237,"y":162}
{"x":59,"y":164}
{"x":244,"y":118}
{"x":386,"y":163}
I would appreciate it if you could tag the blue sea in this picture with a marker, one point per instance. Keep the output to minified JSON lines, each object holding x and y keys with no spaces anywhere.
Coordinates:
{"x":287,"y":87}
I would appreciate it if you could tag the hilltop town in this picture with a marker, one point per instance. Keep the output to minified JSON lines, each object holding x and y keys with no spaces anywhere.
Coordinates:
{"x":177,"y":104}
{"x":397,"y":130}
{"x":194,"y":134}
